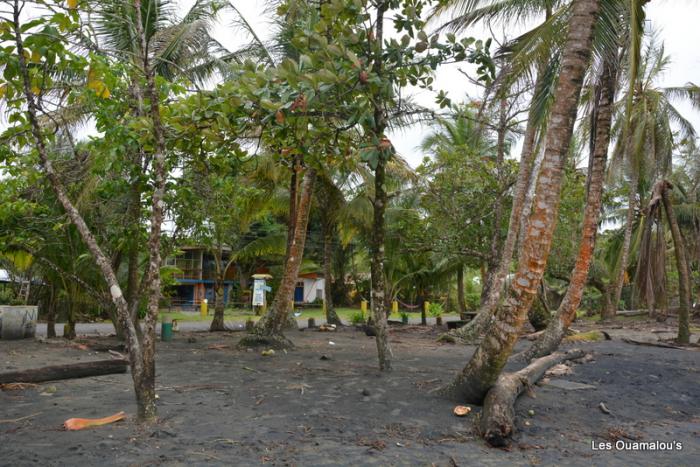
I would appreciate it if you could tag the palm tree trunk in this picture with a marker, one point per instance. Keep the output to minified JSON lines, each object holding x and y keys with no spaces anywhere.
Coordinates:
{"x":331,"y":316}
{"x":271,"y":325}
{"x":616,"y":290}
{"x":482,"y":371}
{"x":549,"y":340}
{"x":72,"y":212}
{"x":681,"y":264}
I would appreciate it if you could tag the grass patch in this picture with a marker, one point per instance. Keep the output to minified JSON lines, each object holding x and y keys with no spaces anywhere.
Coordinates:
{"x":590,"y":336}
{"x":237,"y":314}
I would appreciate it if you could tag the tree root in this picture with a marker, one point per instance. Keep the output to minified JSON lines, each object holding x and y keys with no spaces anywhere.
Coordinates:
{"x":496,"y":424}
{"x":277,"y":342}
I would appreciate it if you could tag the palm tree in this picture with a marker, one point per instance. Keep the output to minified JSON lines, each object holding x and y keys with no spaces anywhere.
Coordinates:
{"x":601,"y":118}
{"x":644,"y":143}
{"x":483,"y":369}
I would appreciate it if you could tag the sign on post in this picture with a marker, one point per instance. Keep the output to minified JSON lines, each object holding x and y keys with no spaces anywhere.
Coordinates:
{"x":259,"y":292}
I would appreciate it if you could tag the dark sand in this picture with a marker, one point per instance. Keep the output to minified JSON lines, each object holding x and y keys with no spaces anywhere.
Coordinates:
{"x":232,"y":407}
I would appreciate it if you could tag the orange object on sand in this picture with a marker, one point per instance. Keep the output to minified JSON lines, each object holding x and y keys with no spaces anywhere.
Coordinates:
{"x":82,"y":423}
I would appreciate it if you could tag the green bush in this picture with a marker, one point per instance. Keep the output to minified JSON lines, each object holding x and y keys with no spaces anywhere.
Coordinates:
{"x":435,"y":310}
{"x":7,"y":296}
{"x":357,"y":318}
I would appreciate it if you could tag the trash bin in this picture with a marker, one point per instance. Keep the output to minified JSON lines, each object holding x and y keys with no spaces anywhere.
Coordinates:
{"x":166,"y":329}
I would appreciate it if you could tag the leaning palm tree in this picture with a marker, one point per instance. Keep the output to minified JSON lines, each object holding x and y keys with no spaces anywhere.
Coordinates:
{"x":645,"y":139}
{"x":481,"y":372}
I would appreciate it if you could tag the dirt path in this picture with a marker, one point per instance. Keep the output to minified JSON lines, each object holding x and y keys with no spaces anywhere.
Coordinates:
{"x":225,"y":406}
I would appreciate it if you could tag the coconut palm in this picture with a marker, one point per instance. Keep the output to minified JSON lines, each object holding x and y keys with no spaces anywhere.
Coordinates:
{"x":643,"y":154}
{"x":481,"y":372}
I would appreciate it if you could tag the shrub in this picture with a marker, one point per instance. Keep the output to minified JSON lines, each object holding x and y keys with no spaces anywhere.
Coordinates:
{"x":435,"y":310}
{"x":357,"y":318}
{"x":7,"y":296}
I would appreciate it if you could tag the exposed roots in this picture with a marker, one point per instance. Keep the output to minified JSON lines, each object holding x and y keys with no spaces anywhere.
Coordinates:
{"x":277,"y":342}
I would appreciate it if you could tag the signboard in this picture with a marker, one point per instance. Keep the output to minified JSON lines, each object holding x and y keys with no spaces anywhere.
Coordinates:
{"x":259,"y":292}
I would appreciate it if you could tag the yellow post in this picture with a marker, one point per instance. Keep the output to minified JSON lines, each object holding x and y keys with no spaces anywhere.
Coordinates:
{"x":203,"y":308}
{"x":363,"y":307}
{"x":394,"y":306}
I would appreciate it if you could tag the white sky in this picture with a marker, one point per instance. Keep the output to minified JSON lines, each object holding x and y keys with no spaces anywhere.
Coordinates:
{"x":675,"y":20}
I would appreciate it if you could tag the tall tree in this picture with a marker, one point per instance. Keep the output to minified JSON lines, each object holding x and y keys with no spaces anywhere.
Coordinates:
{"x":483,"y":369}
{"x":601,"y":119}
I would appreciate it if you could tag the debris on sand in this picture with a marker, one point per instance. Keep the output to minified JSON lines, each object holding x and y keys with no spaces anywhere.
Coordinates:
{"x":604,"y":409}
{"x":218,"y":346}
{"x":268,"y":353}
{"x":73,"y":424}
{"x":568,"y":385}
{"x":461,"y":410}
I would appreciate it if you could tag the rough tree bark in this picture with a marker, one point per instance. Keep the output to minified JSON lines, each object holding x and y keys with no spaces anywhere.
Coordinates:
{"x":681,"y":264}
{"x":461,"y":302}
{"x":479,"y":375}
{"x":376,"y":247}
{"x":146,"y":382}
{"x":268,"y":331}
{"x":602,"y":118}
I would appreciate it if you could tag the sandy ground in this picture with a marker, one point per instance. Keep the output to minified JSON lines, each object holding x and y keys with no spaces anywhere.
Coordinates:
{"x":225,"y":406}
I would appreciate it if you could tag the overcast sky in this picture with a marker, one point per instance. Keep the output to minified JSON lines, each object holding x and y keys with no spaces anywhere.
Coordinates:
{"x":675,"y":20}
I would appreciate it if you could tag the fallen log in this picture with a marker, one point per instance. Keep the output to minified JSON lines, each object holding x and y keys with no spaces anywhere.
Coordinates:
{"x":497,"y":418}
{"x":658,"y":344}
{"x":71,"y":371}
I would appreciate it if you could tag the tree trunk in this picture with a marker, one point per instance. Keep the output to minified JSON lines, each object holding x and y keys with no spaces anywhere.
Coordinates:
{"x":379,"y":316}
{"x":681,"y":264}
{"x":145,"y":380}
{"x":132,"y":286}
{"x":51,"y":315}
{"x":497,"y":419}
{"x":616,"y":291}
{"x":217,"y":323}
{"x":479,"y":375}
{"x":376,"y":247}
{"x":602,"y":118}
{"x":269,"y":329}
{"x":482,"y":320}
{"x":495,"y":256}
{"x":331,"y":316}
{"x":461,"y":302}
